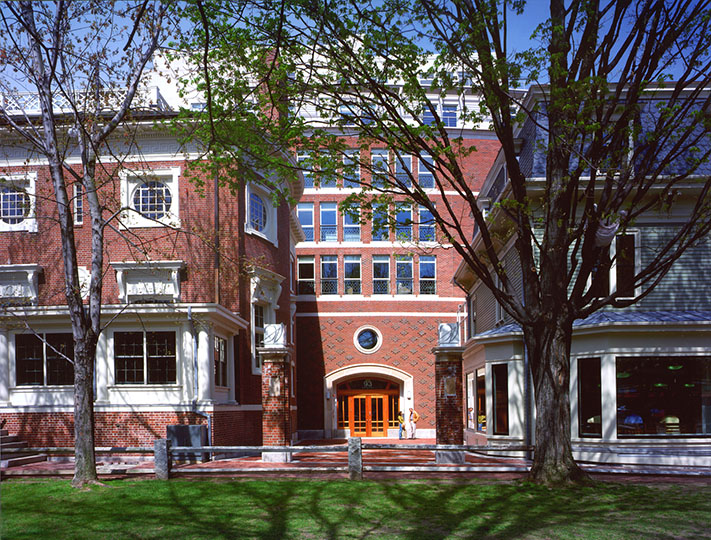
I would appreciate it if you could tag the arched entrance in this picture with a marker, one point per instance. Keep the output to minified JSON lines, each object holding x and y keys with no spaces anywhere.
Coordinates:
{"x":367,"y":407}
{"x":390,"y":389}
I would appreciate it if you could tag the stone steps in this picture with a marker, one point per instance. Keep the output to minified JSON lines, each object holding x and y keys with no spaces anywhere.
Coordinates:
{"x":16,"y":459}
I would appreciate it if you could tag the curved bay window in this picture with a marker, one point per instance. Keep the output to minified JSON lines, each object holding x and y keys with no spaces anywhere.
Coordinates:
{"x":368,"y":407}
{"x":663,"y":396}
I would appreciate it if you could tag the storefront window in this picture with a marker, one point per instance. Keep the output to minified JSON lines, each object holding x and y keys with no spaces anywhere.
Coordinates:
{"x":589,"y":398}
{"x":665,"y":396}
{"x":501,"y":398}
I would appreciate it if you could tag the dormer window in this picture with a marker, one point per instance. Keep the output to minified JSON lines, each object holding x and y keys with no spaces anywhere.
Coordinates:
{"x":148,"y":282}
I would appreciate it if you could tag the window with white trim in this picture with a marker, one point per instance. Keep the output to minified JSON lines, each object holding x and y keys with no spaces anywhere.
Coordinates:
{"x":44,"y":360}
{"x":428,"y":274}
{"x":220,"y":361}
{"x":351,"y":225}
{"x":449,"y":114}
{"x":426,"y":225}
{"x":403,"y":272}
{"x":617,"y":268}
{"x":403,"y":223}
{"x":425,"y":176}
{"x":329,"y":274}
{"x":261,"y":219}
{"x":78,"y":204}
{"x":305,"y":212}
{"x":379,"y":157}
{"x":144,"y":357}
{"x":351,"y":169}
{"x":150,"y":198}
{"x":380,"y":228}
{"x":305,"y":275}
{"x":329,"y":224}
{"x":351,"y":272}
{"x":403,"y":170}
{"x":381,"y":274}
{"x":258,"y":321}
{"x":17,"y":203}
{"x":306,"y":164}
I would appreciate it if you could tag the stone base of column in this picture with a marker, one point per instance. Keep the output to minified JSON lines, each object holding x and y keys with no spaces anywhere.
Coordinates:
{"x":449,"y":456}
{"x":276,"y":457}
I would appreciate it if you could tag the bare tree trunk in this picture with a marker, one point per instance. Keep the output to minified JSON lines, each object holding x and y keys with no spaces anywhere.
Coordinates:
{"x":85,"y":459}
{"x":549,"y":354}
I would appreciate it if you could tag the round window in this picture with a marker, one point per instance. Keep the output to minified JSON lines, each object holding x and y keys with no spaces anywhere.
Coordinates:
{"x":15,"y":205}
{"x":257,"y":212}
{"x":152,"y":200}
{"x":367,"y":339}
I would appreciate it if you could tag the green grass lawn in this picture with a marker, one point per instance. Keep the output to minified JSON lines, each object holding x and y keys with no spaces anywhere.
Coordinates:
{"x":343,"y":509}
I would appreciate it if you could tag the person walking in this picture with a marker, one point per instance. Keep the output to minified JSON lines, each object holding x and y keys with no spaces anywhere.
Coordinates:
{"x":401,"y":421}
{"x":412,"y":423}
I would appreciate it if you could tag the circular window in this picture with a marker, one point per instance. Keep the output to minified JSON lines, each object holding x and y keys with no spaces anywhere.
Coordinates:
{"x":367,"y":339}
{"x":14,"y":205}
{"x":152,"y":200}
{"x":257,"y":212}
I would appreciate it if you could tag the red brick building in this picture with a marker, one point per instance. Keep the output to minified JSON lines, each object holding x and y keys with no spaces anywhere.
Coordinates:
{"x":192,"y":277}
{"x":371,"y":297}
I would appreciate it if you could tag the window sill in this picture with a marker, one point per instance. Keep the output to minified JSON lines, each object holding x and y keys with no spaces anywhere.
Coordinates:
{"x":139,"y":386}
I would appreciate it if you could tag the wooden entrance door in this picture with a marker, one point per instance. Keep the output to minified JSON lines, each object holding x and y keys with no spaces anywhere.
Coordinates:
{"x":368,"y":415}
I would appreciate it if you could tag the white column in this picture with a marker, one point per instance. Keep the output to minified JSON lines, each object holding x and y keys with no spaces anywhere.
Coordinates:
{"x":103,"y":371}
{"x":4,"y":367}
{"x":205,"y":378}
{"x":608,"y":382}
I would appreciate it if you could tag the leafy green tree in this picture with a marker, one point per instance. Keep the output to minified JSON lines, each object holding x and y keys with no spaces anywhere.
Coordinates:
{"x":619,"y":88}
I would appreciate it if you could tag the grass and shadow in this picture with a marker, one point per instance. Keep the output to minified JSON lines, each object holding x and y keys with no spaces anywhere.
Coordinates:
{"x":415,"y":510}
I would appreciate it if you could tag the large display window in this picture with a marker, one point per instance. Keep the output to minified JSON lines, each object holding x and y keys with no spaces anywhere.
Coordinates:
{"x":663,"y":396}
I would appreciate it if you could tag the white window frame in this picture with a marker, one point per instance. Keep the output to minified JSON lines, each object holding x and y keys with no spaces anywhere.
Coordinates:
{"x":267,"y":316}
{"x":352,"y":157}
{"x":305,"y":208}
{"x":270,"y":231}
{"x":423,"y":170}
{"x":421,"y":226}
{"x":405,"y":260}
{"x":352,"y":259}
{"x":305,"y":259}
{"x":78,"y":204}
{"x":433,"y":261}
{"x":218,"y":380}
{"x":349,"y":223}
{"x":398,"y":210}
{"x":376,"y":156}
{"x":403,"y":170}
{"x":27,"y":183}
{"x":323,"y":261}
{"x":381,"y":259}
{"x":145,"y":332}
{"x":131,"y":180}
{"x":328,"y":207}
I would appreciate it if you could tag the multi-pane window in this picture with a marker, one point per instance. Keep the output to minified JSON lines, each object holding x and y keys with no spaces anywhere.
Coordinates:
{"x":480,"y":409}
{"x":14,"y":205}
{"x":428,"y":272}
{"x":220,"y":360}
{"x":144,"y":357}
{"x":351,"y":169}
{"x":403,"y":223}
{"x":329,"y":224}
{"x":306,"y":276}
{"x":403,"y":272}
{"x":428,"y":116}
{"x":306,"y":164}
{"x":44,"y":361}
{"x":259,"y":319}
{"x":427,"y":225}
{"x":381,"y":230}
{"x":425,"y":177}
{"x":305,"y":212}
{"x":152,"y":200}
{"x":449,"y":115}
{"x":257,"y":212}
{"x":351,"y":271}
{"x":403,"y":170}
{"x":380,"y":167}
{"x":351,"y":226}
{"x":78,"y":204}
{"x":329,"y":274}
{"x":381,"y":274}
